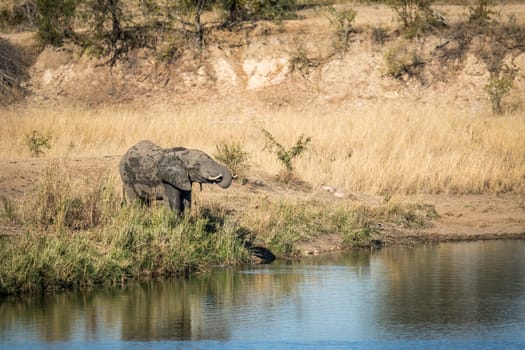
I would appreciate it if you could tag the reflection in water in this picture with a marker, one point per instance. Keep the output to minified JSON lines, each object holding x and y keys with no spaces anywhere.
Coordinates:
{"x":452,"y":291}
{"x":458,"y":288}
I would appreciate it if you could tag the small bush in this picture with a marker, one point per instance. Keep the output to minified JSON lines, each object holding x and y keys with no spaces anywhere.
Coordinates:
{"x":300,"y":62}
{"x":400,"y":63}
{"x":342,"y":22}
{"x":234,"y":157}
{"x":379,"y":35}
{"x":273,"y":10}
{"x":416,"y":16}
{"x":54,"y":21}
{"x":286,"y":156}
{"x":497,"y":88}
{"x":481,"y":13}
{"x":38,"y":143}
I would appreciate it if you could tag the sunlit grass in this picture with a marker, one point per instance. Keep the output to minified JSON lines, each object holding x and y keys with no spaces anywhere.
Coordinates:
{"x":377,"y":150}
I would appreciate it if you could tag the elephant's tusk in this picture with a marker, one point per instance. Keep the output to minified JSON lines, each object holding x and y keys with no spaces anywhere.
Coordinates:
{"x":215,"y":178}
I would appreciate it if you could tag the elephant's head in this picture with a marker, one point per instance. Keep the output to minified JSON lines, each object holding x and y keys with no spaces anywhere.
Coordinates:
{"x":182,"y":166}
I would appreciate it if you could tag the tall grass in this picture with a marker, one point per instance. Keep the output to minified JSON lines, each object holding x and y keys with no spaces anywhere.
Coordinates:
{"x":138,"y":243}
{"x":81,"y":237}
{"x":380,"y":149}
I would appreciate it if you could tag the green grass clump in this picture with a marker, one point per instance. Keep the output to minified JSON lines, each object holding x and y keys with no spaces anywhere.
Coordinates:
{"x":234,"y":157}
{"x":282,"y":226}
{"x":138,"y":243}
{"x":38,"y":143}
{"x":80,"y":236}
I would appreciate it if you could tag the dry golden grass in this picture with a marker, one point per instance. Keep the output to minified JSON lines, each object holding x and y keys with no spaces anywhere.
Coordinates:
{"x":378,"y":150}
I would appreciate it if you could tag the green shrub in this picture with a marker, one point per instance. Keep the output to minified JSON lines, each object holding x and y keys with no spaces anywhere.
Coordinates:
{"x":400,"y":62}
{"x":273,"y":10}
{"x":342,"y":22}
{"x":286,"y":156}
{"x":234,"y":157}
{"x":497,"y":88}
{"x":112,"y":32}
{"x":54,"y":21}
{"x":379,"y":35}
{"x":481,"y":13}
{"x":38,"y":142}
{"x":416,"y":16}
{"x":300,"y":62}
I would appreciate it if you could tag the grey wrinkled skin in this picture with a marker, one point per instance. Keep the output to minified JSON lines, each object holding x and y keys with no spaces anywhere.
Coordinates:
{"x":150,"y":172}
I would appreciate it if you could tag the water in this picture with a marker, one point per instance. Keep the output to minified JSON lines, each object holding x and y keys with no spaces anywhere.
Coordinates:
{"x":456,"y":295}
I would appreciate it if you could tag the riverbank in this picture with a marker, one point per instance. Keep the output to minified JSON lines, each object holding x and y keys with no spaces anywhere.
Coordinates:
{"x":399,"y":219}
{"x":62,"y":225}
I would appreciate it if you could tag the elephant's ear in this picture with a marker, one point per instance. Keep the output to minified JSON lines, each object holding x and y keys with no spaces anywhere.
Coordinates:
{"x":171,"y":169}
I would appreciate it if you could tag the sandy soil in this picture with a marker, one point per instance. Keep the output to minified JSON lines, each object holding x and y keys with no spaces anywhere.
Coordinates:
{"x":464,"y":217}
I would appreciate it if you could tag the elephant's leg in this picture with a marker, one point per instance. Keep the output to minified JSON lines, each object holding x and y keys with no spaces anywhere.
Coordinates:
{"x":174,"y":198}
{"x":186,"y":199}
{"x":129,"y":193}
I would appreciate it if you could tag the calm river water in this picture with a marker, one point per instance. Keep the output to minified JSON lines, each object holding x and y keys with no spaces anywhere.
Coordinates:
{"x":454,"y":295}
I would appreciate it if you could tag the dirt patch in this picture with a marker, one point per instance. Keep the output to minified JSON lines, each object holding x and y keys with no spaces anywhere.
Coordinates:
{"x":465,"y":217}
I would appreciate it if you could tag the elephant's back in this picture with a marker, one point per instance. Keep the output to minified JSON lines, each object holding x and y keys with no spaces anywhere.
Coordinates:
{"x":139,"y":163}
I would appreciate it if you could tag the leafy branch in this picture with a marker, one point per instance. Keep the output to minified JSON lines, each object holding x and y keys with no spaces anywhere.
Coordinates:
{"x":286,"y":156}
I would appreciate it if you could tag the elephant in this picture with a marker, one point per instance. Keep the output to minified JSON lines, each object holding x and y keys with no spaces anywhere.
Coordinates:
{"x":150,"y":172}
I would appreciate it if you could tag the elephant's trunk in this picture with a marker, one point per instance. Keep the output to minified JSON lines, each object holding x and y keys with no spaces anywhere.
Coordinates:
{"x":226,"y":178}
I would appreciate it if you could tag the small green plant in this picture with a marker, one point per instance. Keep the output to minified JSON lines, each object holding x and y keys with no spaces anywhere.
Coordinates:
{"x":497,"y":88}
{"x":38,"y":142}
{"x":54,"y":21}
{"x":242,"y":10}
{"x":300,"y":62}
{"x":342,"y":21}
{"x":286,"y":156}
{"x":379,"y":35}
{"x":481,"y":13}
{"x":274,"y":10}
{"x":416,"y":16}
{"x":234,"y":157}
{"x":400,"y":62}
